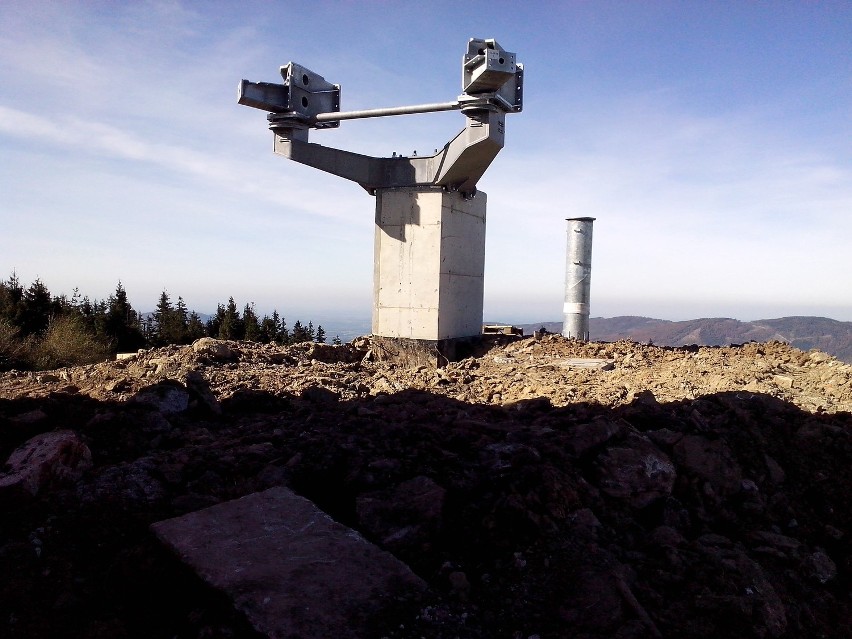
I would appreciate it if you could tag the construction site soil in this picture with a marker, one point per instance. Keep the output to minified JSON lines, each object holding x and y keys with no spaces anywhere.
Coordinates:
{"x":540,"y":487}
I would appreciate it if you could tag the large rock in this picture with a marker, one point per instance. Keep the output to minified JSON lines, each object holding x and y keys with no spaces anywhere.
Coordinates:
{"x":290,"y":568}
{"x":743,"y":589}
{"x":819,"y":566}
{"x":332,"y":354}
{"x":214,"y":348}
{"x":130,"y":486}
{"x":585,"y":437}
{"x":167,"y":397}
{"x":200,"y":395}
{"x":638,"y":472}
{"x":44,"y":460}
{"x":709,"y":459}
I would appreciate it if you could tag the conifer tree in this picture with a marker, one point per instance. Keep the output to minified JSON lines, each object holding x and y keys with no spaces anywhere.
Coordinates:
{"x":11,"y":294}
{"x":299,"y":334}
{"x":194,"y":328}
{"x":268,"y":329}
{"x":214,"y":324}
{"x":336,"y":340}
{"x":98,"y":319}
{"x":231,"y":327}
{"x":164,"y":318}
{"x":15,"y":287}
{"x":181,"y":319}
{"x":62,"y":305}
{"x":121,"y":323}
{"x":149,"y":329}
{"x":251,"y":326}
{"x":35,"y":309}
{"x":320,"y":336}
{"x":283,"y":334}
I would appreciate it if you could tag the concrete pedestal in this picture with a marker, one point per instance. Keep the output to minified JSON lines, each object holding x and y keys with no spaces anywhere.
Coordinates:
{"x":429,"y":264}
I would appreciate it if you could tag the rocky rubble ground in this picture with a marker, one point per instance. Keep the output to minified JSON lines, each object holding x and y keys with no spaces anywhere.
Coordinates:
{"x":541,"y":487}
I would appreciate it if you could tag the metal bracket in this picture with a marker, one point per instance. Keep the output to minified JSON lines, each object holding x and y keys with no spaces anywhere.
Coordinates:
{"x":492,"y":85}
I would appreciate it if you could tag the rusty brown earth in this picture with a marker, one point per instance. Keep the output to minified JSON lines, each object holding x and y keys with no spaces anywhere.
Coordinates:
{"x":659,"y":492}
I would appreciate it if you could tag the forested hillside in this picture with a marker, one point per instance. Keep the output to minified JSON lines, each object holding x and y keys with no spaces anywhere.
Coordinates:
{"x":41,"y":331}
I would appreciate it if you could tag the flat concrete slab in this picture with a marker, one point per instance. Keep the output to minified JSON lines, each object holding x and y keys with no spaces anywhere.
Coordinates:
{"x":291,"y":569}
{"x":586,"y":362}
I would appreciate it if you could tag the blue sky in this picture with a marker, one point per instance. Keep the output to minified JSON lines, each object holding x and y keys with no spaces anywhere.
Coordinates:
{"x":711,"y":140}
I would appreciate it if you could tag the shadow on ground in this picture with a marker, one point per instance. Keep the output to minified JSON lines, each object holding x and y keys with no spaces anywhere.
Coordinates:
{"x":723,"y":516}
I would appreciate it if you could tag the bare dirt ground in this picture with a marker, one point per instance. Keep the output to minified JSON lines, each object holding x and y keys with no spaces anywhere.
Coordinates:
{"x":662,"y":492}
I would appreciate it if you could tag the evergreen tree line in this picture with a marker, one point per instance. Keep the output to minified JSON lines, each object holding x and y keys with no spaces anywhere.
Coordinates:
{"x":38,"y":330}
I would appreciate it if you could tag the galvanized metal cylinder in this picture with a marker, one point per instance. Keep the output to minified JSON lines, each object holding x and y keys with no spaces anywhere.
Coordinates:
{"x":578,"y":278}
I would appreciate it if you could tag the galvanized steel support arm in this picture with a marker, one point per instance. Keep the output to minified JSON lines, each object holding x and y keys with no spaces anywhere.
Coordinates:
{"x":456,"y":167}
{"x":466,"y":157}
{"x":492,"y":85}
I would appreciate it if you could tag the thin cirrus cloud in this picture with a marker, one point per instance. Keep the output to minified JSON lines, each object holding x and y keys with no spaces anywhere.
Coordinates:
{"x":97,"y":138}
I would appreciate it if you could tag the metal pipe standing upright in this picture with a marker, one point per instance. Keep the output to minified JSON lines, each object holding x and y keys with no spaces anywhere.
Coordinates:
{"x":578,"y":278}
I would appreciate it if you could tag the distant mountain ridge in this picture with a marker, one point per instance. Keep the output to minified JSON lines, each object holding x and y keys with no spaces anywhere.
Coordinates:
{"x":828,"y":335}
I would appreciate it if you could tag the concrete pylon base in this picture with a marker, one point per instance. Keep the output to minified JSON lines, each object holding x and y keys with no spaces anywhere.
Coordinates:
{"x":411,"y":353}
{"x":429,"y":264}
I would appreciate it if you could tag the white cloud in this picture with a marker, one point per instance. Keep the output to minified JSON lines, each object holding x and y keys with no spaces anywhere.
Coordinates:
{"x":70,"y":134}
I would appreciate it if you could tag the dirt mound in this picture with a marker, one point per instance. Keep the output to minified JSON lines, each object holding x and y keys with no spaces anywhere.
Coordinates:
{"x":542,"y":488}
